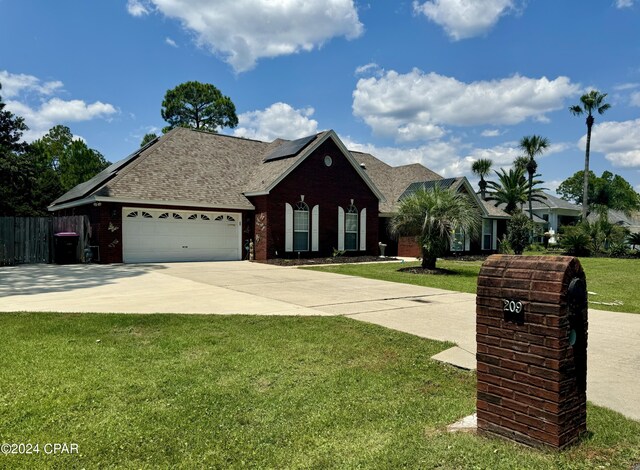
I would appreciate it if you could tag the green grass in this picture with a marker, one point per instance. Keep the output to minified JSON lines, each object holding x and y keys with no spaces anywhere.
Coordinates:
{"x":174,"y":391}
{"x":462,"y":278}
{"x":612,"y":280}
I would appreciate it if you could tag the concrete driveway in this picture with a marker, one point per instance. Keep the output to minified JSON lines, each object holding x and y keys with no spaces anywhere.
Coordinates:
{"x":258,"y":289}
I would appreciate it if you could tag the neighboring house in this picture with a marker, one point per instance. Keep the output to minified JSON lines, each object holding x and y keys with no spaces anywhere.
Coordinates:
{"x":494,"y":220}
{"x":556,"y":212}
{"x":629,"y":221}
{"x":392,"y":182}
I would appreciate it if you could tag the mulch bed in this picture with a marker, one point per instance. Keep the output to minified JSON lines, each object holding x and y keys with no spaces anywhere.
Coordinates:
{"x":466,"y":258}
{"x":329,"y":260}
{"x":419,"y":270}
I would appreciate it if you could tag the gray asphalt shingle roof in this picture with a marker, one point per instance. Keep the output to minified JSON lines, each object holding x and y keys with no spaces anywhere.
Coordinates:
{"x":554,"y":202}
{"x":189,"y":166}
{"x":392,"y":181}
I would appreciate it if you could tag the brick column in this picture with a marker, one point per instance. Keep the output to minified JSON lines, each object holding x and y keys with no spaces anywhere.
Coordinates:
{"x":532,"y":338}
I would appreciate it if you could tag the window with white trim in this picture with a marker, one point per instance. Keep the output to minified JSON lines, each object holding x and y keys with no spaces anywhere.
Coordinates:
{"x":301,"y":227}
{"x":457,"y":240}
{"x":351,"y":228}
{"x":487,"y":234}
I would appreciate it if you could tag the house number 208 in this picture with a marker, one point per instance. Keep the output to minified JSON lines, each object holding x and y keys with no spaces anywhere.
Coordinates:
{"x":511,"y":306}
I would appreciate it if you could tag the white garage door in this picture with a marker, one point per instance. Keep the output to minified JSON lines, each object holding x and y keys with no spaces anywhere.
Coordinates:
{"x":159,"y":235}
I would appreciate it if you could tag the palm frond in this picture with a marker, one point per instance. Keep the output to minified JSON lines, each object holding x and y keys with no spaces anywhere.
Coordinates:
{"x":603,"y":108}
{"x":481,"y":167}
{"x":432,"y":216}
{"x":576,"y":110}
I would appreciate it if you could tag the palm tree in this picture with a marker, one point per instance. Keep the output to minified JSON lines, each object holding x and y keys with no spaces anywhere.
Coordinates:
{"x":520,"y":163}
{"x":512,"y":189}
{"x":433,"y":216}
{"x":532,"y":145}
{"x":634,"y":239}
{"x":482,"y":168}
{"x":591,"y":102}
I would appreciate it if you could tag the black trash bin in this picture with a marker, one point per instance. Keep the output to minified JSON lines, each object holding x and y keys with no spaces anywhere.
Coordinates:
{"x":66,"y":247}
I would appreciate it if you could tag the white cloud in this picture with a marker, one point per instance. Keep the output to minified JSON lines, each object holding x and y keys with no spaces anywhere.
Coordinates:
{"x":370,"y":68}
{"x":415,"y":105}
{"x":451,"y":158}
{"x":14,"y":84}
{"x":619,"y":141}
{"x":138,"y":7}
{"x":171,"y":42}
{"x":501,"y":155}
{"x":626,"y":86}
{"x":243,"y":31}
{"x":41,"y":112}
{"x":56,"y":111}
{"x":441,"y":156}
{"x":552,"y":186}
{"x":463,"y":19}
{"x":491,"y":133}
{"x":624,"y":3}
{"x":634,"y":99}
{"x":280,"y":120}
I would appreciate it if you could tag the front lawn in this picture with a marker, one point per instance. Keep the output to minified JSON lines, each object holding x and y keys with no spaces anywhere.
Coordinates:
{"x":177,"y":391}
{"x":611,"y":281}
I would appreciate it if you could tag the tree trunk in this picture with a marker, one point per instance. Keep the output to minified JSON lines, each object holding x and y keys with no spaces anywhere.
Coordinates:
{"x":483,"y":188}
{"x":428,"y":261}
{"x":530,"y":205}
{"x":585,"y":186}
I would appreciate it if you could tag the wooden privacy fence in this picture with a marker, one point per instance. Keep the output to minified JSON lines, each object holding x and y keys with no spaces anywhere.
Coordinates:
{"x":29,"y":240}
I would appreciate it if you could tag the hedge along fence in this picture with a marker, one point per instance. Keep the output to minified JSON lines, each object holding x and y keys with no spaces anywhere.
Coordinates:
{"x":29,"y":240}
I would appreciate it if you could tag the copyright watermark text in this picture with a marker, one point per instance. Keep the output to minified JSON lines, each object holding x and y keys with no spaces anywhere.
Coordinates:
{"x":49,"y":448}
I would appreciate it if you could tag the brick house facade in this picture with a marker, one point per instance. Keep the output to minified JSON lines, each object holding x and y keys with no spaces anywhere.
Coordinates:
{"x":163,"y":202}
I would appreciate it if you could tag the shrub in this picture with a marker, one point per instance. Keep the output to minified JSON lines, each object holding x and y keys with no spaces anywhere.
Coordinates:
{"x":634,"y":239}
{"x":576,"y":242}
{"x":337,"y":253}
{"x":504,"y":247}
{"x":518,"y":232}
{"x":618,"y":249}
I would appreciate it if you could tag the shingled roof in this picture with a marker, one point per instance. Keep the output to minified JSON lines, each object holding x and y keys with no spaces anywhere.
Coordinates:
{"x":189,"y":167}
{"x":553,"y":202}
{"x":392,"y":180}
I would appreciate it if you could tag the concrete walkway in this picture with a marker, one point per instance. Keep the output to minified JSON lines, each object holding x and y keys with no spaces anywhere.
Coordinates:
{"x":258,"y":289}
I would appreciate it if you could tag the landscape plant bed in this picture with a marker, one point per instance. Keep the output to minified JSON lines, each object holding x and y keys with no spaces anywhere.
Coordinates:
{"x":466,"y":258}
{"x":421,"y":270}
{"x":209,"y":391}
{"x":327,"y":260}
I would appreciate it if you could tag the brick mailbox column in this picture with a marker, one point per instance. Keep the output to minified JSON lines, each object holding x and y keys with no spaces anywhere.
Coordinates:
{"x":531,"y":331}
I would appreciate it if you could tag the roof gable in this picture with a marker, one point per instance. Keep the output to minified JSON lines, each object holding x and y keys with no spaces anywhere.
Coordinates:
{"x":275,"y":170}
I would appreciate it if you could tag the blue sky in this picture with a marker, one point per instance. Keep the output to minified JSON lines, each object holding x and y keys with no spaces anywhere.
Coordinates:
{"x":441,"y":82}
